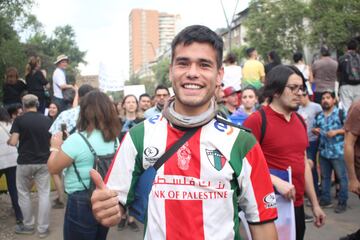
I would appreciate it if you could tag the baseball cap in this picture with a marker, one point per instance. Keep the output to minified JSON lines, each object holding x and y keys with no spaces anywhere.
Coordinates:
{"x":229,"y":91}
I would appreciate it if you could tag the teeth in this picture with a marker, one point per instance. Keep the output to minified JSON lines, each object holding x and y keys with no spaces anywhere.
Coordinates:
{"x":191,"y":86}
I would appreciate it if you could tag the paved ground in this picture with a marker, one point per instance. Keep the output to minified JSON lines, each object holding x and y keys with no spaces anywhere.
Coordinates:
{"x":337,"y":225}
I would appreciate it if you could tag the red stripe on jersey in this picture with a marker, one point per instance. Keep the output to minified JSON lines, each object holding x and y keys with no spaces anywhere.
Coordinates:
{"x":184,"y":218}
{"x":262,"y":183}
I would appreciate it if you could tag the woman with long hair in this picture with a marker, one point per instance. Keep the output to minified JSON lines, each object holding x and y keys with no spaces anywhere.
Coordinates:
{"x":8,"y":157}
{"x":36,"y":81}
{"x":131,"y":117}
{"x":99,"y":125}
{"x":53,"y":110}
{"x":13,"y":88}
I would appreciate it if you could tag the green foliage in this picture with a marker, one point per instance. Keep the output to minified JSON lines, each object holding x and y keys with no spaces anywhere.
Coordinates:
{"x":276,"y":25}
{"x":48,"y":48}
{"x":334,"y":22}
{"x":161,"y":71}
{"x":240,"y":53}
{"x":15,"y":18}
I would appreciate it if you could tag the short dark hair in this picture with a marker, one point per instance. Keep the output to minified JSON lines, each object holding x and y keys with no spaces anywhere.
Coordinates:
{"x":199,"y":34}
{"x":331,"y":92}
{"x":324,"y":51}
{"x":13,"y":108}
{"x":251,"y":88}
{"x":297,"y":57}
{"x":161,"y":87}
{"x":4,"y":115}
{"x":249,"y":51}
{"x":275,"y":57}
{"x":352,"y":44}
{"x":97,"y":110}
{"x":144,"y":95}
{"x":277,"y":79}
{"x":230,"y":58}
{"x":84,"y":89}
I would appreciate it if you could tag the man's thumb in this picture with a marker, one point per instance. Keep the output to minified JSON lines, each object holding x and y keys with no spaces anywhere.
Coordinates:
{"x":97,"y":179}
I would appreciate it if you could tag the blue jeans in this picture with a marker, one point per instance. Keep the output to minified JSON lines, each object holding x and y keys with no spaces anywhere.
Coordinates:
{"x":10,"y":174}
{"x":79,"y":222}
{"x":311,"y":154}
{"x":327,"y":165}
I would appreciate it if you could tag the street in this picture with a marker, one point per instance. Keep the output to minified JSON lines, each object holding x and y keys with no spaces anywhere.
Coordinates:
{"x":337,"y":225}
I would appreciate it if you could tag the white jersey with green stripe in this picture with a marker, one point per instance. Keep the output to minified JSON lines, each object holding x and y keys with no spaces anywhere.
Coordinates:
{"x":196,"y":192}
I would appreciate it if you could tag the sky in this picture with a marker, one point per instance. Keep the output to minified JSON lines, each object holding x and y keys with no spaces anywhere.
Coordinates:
{"x":102,"y":27}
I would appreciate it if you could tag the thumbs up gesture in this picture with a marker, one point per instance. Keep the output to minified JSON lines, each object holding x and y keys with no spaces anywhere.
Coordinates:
{"x":105,"y":204}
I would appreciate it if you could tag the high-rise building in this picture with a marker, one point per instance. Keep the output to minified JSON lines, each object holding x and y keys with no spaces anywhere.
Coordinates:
{"x":150,"y":34}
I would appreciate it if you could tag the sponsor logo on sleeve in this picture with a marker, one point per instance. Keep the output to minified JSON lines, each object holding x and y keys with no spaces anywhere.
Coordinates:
{"x":222,"y":127}
{"x":151,"y":154}
{"x":153,"y":119}
{"x":270,"y":200}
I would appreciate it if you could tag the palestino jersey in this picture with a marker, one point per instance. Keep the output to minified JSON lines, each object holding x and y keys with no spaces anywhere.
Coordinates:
{"x":195,"y":192}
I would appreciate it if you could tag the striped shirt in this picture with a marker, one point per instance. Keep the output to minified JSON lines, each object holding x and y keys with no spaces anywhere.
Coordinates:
{"x":195,"y":193}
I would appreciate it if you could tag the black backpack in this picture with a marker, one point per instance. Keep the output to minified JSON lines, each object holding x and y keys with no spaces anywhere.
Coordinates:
{"x":101,"y":164}
{"x":352,"y":67}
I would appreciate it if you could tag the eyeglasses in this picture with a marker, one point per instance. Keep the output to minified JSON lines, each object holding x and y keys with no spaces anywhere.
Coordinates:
{"x":294,"y":88}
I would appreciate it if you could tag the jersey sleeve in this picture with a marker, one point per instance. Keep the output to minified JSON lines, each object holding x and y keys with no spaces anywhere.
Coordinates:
{"x":257,"y":197}
{"x":125,"y":170}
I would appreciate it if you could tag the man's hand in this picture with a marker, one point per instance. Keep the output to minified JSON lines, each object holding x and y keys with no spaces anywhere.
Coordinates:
{"x":105,"y":204}
{"x":354,"y":186}
{"x":316,"y":131}
{"x":319,"y":216}
{"x":331,"y":133}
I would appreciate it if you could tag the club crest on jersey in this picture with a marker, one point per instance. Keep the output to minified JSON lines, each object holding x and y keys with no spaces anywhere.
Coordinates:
{"x":216,"y":158}
{"x":184,"y":157}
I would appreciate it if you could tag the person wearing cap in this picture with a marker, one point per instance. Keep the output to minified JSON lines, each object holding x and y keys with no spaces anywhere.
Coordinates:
{"x":253,"y":71}
{"x":231,"y":102}
{"x":30,"y":132}
{"x":329,"y":126}
{"x":325,"y":73}
{"x":59,"y":80}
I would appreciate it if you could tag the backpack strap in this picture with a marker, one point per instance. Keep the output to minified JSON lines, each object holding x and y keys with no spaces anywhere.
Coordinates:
{"x":341,"y":116}
{"x":301,"y":120}
{"x":187,"y":135}
{"x":263,"y":124}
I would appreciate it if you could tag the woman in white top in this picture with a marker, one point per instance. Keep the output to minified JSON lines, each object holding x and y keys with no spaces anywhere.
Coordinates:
{"x":304,"y":69}
{"x":8,"y":157}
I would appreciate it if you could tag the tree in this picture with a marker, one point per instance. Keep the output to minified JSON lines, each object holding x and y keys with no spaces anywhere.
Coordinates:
{"x":276,"y":25}
{"x":333,"y":22}
{"x":47,"y":48}
{"x":161,"y":71}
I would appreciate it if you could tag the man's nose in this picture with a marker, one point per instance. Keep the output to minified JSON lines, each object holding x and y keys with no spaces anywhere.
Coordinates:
{"x":193,"y":71}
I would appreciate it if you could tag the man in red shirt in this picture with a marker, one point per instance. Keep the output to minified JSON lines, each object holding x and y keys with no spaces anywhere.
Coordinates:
{"x":285,"y":140}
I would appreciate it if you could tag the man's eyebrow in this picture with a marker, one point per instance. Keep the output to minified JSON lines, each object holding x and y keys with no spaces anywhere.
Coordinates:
{"x":202,"y":60}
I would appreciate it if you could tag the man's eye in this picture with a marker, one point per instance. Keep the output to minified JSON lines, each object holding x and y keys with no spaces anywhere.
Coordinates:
{"x":205,"y":65}
{"x":182,"y":63}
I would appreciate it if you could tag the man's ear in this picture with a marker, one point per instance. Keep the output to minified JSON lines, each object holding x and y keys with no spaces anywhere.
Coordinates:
{"x":220,"y":76}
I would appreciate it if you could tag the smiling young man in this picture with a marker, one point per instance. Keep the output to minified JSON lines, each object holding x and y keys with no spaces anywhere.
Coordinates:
{"x":285,"y":140}
{"x":195,"y":192}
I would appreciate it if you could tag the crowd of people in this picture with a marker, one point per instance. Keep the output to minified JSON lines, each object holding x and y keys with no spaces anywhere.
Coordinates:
{"x":271,"y":116}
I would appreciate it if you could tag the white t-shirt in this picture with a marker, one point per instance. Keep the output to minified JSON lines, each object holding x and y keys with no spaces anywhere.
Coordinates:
{"x":232,"y":77}
{"x":59,"y":79}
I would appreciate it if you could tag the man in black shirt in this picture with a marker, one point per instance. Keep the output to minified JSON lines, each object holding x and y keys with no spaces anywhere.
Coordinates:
{"x":30,"y":131}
